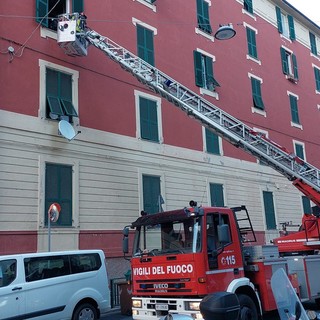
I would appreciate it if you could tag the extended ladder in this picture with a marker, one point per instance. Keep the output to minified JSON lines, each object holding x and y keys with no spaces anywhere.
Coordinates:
{"x":215,"y":119}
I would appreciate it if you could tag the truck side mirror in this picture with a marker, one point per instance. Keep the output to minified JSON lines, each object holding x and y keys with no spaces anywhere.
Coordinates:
{"x":224,"y":233}
{"x":125,"y":240}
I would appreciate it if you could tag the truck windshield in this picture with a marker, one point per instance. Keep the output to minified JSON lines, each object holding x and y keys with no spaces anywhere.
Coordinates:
{"x":168,"y":237}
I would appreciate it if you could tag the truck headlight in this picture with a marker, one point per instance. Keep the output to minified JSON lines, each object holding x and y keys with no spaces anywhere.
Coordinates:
{"x":137,"y":303}
{"x":193,"y":305}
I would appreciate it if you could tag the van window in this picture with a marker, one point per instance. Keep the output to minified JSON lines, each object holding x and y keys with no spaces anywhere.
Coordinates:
{"x":85,"y":262}
{"x":8,"y":272}
{"x":46,"y":267}
{"x":56,"y":266}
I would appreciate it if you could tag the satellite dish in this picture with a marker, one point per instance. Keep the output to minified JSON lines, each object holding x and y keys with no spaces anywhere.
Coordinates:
{"x":66,"y":130}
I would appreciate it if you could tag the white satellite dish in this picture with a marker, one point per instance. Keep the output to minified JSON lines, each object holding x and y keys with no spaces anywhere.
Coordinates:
{"x":66,"y":130}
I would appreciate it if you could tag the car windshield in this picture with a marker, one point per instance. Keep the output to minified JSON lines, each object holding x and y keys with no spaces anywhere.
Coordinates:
{"x":168,"y":237}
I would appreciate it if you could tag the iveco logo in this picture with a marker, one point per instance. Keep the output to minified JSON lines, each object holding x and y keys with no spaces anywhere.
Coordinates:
{"x":160,"y":286}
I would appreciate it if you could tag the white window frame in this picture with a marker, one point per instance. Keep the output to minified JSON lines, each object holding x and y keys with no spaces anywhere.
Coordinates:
{"x":147,"y":4}
{"x":246,"y":25}
{"x":151,"y":172}
{"x":43,"y":159}
{"x":204,"y":143}
{"x":136,"y":21}
{"x":43,"y":64}
{"x":290,"y":63}
{"x":205,"y":91}
{"x":216,"y":181}
{"x":296,"y":142}
{"x":202,"y":33}
{"x":317,"y":67}
{"x":293,"y":124}
{"x":137,"y":95}
{"x":285,"y":26}
{"x":253,"y":109}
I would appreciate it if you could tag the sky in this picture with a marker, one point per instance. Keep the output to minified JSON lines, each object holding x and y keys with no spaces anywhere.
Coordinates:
{"x":310,"y":8}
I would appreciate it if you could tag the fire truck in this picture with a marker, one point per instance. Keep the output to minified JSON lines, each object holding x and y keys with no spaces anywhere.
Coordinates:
{"x":183,"y":255}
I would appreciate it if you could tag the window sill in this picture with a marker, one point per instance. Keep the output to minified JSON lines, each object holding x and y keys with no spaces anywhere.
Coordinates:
{"x":291,"y":78}
{"x":147,"y":4}
{"x":296,"y":125}
{"x":317,"y":92}
{"x":314,"y":56}
{"x":204,"y":34}
{"x":210,"y":93}
{"x":249,"y":14}
{"x":259,"y":111}
{"x":253,"y":59}
{"x":287,"y":37}
{"x":48,"y":33}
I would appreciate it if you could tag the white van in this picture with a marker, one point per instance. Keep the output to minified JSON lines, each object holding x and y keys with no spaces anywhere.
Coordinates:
{"x":54,"y":285}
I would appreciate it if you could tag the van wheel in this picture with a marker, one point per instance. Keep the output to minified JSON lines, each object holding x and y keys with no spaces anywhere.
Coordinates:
{"x":248,"y":309}
{"x":85,"y":311}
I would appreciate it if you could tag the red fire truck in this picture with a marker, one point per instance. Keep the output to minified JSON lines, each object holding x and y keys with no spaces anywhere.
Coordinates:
{"x":181,"y":256}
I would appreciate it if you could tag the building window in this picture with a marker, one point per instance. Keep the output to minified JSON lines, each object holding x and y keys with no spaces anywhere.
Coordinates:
{"x":269,"y":210}
{"x":203,"y":16}
{"x":313,"y":44}
{"x":252,"y":45}
{"x":58,"y":92}
{"x":306,"y":205}
{"x":203,"y":66}
{"x":256,"y":93}
{"x":152,"y":199}
{"x":289,"y":64}
{"x":285,"y":24}
{"x":294,"y":109}
{"x":58,"y":188}
{"x":247,"y":5}
{"x":299,"y":150}
{"x":212,"y":142}
{"x":145,"y":44}
{"x":317,"y":78}
{"x":216,"y":195}
{"x":148,"y":119}
{"x":59,"y":96}
{"x":47,"y":11}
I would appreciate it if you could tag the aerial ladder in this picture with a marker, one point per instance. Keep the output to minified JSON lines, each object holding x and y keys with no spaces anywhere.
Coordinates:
{"x":75,"y":38}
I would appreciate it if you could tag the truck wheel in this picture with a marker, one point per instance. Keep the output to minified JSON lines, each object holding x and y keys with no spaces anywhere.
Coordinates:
{"x":85,"y":311}
{"x":248,"y":309}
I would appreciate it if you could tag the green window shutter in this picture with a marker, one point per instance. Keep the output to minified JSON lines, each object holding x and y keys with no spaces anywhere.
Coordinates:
{"x":299,"y":150}
{"x":210,"y":80}
{"x":42,"y":8}
{"x":216,"y":195}
{"x":317,"y":78}
{"x":279,"y":21}
{"x":151,"y":193}
{"x":256,"y":94}
{"x":148,"y":119}
{"x":285,"y":66}
{"x":252,"y":46}
{"x":77,"y":6}
{"x":306,"y":205}
{"x":212,"y":142}
{"x":145,"y":44}
{"x":58,"y":188}
{"x":295,"y":66}
{"x":203,"y":16}
{"x":294,"y":109}
{"x":291,"y":28}
{"x":248,"y":6}
{"x":313,"y":44}
{"x":269,"y":210}
{"x":198,"y":68}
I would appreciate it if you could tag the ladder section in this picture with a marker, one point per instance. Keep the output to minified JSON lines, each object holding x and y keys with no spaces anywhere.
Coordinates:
{"x":246,"y":230}
{"x":215,"y":119}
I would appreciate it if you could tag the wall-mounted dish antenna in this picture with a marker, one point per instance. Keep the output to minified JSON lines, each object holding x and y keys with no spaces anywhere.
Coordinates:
{"x":66,"y":130}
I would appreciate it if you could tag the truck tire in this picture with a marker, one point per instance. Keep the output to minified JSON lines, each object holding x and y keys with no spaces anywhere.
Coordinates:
{"x":248,"y":309}
{"x":85,"y":311}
